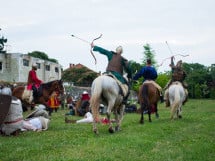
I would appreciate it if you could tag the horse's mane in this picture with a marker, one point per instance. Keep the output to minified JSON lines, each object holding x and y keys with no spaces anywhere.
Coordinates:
{"x":48,"y":84}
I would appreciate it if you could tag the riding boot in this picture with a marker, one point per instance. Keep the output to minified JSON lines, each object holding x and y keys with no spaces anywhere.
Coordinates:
{"x":34,"y":89}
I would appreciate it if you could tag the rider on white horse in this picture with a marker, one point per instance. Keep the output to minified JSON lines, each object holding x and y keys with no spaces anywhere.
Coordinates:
{"x":178,"y":74}
{"x":116,"y":65}
{"x":149,"y":73}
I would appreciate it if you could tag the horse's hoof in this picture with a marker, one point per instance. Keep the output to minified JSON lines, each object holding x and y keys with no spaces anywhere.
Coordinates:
{"x":180,"y":117}
{"x":111,"y":130}
{"x":95,"y":131}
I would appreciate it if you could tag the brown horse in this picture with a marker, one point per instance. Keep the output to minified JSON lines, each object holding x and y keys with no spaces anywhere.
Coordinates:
{"x":148,"y":98}
{"x":44,"y":92}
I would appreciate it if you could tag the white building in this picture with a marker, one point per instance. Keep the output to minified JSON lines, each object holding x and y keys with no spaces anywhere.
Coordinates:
{"x":14,"y":67}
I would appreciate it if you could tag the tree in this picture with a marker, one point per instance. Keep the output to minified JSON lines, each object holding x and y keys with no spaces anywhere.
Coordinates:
{"x":134,"y":66}
{"x":79,"y":76}
{"x":42,"y":55}
{"x":2,"y":42}
{"x":199,"y":79}
{"x":163,"y":78}
{"x":212,"y":74}
{"x":149,"y":53}
{"x":53,"y":60}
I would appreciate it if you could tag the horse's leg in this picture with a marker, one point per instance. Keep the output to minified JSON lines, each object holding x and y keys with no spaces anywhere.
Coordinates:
{"x":109,"y":108}
{"x":180,"y":112}
{"x":95,"y":130}
{"x":119,"y":117}
{"x":95,"y":111}
{"x":149,"y":114}
{"x":156,"y":111}
{"x":174,"y":107}
{"x":142,"y":113}
{"x":111,"y":130}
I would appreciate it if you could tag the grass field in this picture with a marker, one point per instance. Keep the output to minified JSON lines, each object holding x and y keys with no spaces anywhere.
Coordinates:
{"x":191,"y":138}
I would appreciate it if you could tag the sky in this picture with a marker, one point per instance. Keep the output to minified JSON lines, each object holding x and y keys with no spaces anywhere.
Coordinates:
{"x":47,"y":25}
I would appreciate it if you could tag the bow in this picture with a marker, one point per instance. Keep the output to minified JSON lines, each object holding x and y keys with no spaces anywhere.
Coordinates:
{"x":91,"y":50}
{"x":171,"y":57}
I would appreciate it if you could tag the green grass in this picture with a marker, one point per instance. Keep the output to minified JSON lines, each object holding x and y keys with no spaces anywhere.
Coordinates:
{"x":187,"y":139}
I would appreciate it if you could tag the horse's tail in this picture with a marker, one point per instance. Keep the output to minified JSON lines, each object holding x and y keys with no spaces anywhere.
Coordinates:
{"x":96,"y":92}
{"x":176,"y":101}
{"x":145,"y":90}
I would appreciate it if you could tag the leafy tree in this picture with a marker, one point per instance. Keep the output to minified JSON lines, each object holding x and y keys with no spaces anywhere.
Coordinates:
{"x":134,"y":66}
{"x":39,"y":54}
{"x":163,"y":78}
{"x":212,"y":74}
{"x":149,"y":53}
{"x":197,"y":91}
{"x":79,"y":76}
{"x":53,"y":60}
{"x":199,"y":79}
{"x":42,"y":55}
{"x":2,"y":43}
{"x":205,"y":92}
{"x":212,"y":93}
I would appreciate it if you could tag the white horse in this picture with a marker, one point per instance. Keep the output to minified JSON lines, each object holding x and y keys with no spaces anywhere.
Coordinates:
{"x":176,"y":98}
{"x":105,"y":90}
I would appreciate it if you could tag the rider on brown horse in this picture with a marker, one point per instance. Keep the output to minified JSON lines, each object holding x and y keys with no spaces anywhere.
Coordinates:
{"x":33,"y":81}
{"x":149,"y":73}
{"x":178,"y":74}
{"x":116,"y":65}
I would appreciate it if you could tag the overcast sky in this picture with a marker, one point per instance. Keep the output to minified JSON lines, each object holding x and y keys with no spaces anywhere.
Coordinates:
{"x":46,"y":25}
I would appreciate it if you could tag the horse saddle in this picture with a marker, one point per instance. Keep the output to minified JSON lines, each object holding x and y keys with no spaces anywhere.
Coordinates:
{"x":29,"y":94}
{"x":123,"y":87}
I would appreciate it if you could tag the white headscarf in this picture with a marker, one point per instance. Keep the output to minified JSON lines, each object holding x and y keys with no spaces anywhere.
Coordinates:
{"x":34,"y":65}
{"x":119,"y":50}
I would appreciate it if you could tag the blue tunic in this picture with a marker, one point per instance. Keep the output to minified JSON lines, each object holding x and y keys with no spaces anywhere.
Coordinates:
{"x":147,"y":72}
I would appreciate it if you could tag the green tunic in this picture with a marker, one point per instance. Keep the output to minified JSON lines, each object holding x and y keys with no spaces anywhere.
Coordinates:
{"x":124,"y":63}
